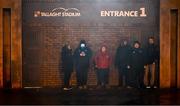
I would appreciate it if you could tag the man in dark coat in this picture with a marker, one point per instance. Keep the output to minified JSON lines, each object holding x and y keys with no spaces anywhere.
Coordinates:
{"x":82,"y":56}
{"x":151,"y":59}
{"x":67,"y":64}
{"x":122,"y":63}
{"x":137,"y":65}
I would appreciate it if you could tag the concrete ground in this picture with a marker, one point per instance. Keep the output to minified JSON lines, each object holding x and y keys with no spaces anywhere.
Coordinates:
{"x":113,"y":96}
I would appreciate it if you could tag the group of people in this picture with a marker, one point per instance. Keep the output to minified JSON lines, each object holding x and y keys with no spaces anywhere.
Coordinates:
{"x":136,"y":65}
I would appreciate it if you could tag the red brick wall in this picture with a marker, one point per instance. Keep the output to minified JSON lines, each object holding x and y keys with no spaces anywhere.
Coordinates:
{"x":44,"y":38}
{"x":47,"y":53}
{"x":54,"y":41}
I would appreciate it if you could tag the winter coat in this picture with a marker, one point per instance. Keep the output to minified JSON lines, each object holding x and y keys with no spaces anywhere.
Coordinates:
{"x":82,"y":62}
{"x":151,"y":54}
{"x":103,"y":60}
{"x":137,"y":59}
{"x":67,"y":59}
{"x":122,"y":56}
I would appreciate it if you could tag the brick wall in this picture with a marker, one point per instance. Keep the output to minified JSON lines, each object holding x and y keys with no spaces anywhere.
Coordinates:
{"x":44,"y":38}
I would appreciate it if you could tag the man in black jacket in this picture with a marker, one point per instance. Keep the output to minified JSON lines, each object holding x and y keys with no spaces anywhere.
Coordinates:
{"x":151,"y":59}
{"x":67,"y":64}
{"x":82,"y":57}
{"x":122,"y":63}
{"x":137,"y":65}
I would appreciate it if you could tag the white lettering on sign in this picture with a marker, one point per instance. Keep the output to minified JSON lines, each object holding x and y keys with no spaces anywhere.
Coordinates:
{"x":141,"y":13}
{"x":58,"y":12}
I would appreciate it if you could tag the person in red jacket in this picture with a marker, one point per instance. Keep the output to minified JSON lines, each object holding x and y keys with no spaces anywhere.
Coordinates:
{"x":102,"y":61}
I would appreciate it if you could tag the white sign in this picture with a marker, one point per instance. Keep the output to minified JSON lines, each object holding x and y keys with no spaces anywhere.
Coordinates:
{"x":140,"y":13}
{"x":58,"y":12}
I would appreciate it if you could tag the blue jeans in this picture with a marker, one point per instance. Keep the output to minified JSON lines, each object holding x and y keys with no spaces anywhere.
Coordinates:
{"x":103,"y":76}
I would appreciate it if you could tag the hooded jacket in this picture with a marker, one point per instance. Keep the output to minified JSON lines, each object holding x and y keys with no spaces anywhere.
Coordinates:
{"x":103,"y":59}
{"x":82,"y":56}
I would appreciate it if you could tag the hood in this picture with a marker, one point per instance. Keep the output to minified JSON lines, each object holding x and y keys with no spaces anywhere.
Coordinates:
{"x":82,"y":42}
{"x":100,"y":49}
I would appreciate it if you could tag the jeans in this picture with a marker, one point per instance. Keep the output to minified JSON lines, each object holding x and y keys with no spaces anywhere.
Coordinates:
{"x":124,"y":77}
{"x":103,"y":76}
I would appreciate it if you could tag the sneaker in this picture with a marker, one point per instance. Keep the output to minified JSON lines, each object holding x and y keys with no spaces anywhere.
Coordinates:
{"x":65,"y":89}
{"x":129,"y":87}
{"x":155,"y":87}
{"x":70,"y":88}
{"x":148,"y":87}
{"x":80,"y":87}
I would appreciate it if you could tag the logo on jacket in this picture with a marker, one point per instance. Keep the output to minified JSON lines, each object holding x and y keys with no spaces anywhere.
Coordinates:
{"x":82,"y":54}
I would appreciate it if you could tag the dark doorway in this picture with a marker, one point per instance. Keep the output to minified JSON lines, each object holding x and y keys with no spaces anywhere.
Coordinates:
{"x":174,"y":47}
{"x":6,"y":47}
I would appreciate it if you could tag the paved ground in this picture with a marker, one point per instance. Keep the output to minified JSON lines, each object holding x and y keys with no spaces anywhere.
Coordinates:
{"x":113,"y":96}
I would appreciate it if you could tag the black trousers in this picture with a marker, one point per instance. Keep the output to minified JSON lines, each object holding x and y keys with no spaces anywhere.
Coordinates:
{"x":141,"y":79}
{"x":136,"y":78}
{"x":103,"y":76}
{"x":81,"y":75}
{"x":124,"y":77}
{"x":67,"y":76}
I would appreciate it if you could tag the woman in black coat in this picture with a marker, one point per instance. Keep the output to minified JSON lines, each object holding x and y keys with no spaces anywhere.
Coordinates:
{"x":67,"y":64}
